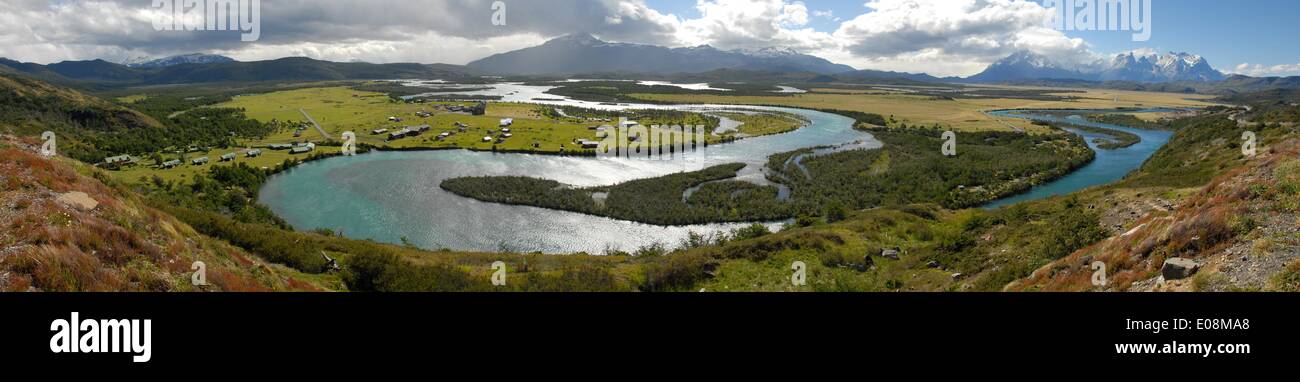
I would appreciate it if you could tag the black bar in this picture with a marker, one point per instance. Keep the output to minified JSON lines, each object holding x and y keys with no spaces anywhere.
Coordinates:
{"x":192,"y":330}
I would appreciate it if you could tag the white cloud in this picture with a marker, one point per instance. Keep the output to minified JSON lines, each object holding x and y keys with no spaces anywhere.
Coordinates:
{"x":1258,"y":70}
{"x":451,"y":31}
{"x":940,"y":37}
{"x":953,"y":37}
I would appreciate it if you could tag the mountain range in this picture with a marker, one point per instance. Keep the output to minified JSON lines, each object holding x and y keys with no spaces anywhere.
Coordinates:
{"x":100,"y":73}
{"x":193,"y":58}
{"x":1132,"y":67}
{"x":583,"y":53}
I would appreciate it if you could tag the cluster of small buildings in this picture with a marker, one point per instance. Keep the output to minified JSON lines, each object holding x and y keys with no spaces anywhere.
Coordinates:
{"x":479,"y":108}
{"x":227,"y":157}
{"x":303,"y":148}
{"x":409,"y":131}
{"x":116,"y":162}
{"x":586,"y":144}
{"x":300,"y":148}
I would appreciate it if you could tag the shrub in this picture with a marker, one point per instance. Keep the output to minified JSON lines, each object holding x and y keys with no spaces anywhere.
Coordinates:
{"x":676,"y":272}
{"x":753,"y":231}
{"x":1289,"y":279}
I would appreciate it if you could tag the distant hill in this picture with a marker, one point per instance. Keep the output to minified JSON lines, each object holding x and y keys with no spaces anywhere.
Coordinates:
{"x":858,"y":75}
{"x":29,"y":107}
{"x":582,"y":53}
{"x":100,"y":72}
{"x":193,"y":58}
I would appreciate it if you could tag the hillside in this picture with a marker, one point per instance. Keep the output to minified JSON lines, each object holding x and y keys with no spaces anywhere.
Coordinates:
{"x":66,"y":230}
{"x":1195,"y":198}
{"x":1239,"y":231}
{"x":85,"y":124}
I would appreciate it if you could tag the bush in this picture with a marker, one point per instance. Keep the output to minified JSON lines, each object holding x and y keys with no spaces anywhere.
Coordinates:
{"x":676,"y":272}
{"x":753,"y":231}
{"x":386,"y":272}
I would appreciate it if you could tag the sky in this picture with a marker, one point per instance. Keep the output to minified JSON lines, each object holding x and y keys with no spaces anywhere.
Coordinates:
{"x":940,"y":37}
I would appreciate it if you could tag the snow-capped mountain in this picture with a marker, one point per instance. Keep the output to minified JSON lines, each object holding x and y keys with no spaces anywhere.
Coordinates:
{"x":1160,"y":68}
{"x":193,"y":58}
{"x":1026,"y":65}
{"x":1131,"y":66}
{"x":583,"y":53}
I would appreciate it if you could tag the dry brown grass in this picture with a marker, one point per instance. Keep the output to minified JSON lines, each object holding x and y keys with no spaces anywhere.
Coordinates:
{"x":1204,"y":225}
{"x":121,"y":245}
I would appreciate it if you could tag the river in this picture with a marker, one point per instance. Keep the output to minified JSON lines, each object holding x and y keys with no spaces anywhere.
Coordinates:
{"x":395,"y":196}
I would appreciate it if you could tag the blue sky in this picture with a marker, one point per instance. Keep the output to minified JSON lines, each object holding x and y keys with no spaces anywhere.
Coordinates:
{"x":1227,"y":33}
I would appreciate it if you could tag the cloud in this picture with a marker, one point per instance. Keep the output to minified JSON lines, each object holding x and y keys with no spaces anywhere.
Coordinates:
{"x":749,"y":24}
{"x":826,"y":15}
{"x":1258,"y":70}
{"x":453,"y":31}
{"x":960,"y":37}
{"x":941,"y":37}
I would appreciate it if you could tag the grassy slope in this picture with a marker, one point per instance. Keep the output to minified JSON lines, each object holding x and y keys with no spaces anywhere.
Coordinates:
{"x":121,"y":245}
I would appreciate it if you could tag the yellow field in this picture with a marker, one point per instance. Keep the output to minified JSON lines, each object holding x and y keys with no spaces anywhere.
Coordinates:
{"x":961,"y":114}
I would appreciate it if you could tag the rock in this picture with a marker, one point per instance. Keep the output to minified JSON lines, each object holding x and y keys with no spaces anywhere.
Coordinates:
{"x":956,"y":276}
{"x":1179,"y":268}
{"x":932,"y":264}
{"x":867,"y":263}
{"x":78,"y":200}
{"x":891,"y":254}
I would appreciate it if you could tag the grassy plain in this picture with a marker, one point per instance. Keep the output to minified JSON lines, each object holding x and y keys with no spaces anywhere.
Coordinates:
{"x":340,"y":109}
{"x":965,"y":114}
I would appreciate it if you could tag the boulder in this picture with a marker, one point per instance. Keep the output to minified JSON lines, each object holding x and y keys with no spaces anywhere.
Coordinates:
{"x":891,"y":254}
{"x":1179,"y":268}
{"x":78,"y":200}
